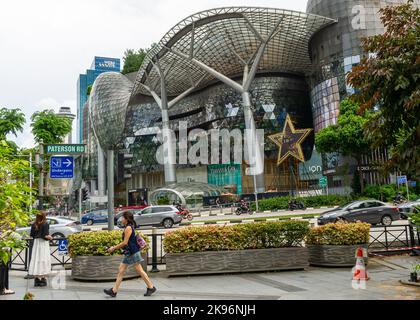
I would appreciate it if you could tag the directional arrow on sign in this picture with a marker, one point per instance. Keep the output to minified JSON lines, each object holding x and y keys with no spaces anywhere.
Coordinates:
{"x":68,"y":163}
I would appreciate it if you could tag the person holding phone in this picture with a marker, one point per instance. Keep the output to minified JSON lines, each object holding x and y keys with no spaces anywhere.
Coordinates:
{"x":40,"y":265}
{"x":132,"y":256}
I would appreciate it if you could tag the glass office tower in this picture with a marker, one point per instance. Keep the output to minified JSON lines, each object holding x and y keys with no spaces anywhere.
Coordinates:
{"x":99,"y":65}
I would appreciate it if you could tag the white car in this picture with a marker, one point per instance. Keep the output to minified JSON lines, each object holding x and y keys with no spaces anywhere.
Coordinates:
{"x":60,"y":227}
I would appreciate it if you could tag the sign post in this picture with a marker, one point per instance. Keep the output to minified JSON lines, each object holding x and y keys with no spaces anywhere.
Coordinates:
{"x":323,"y":183}
{"x":61,"y":167}
{"x":403,"y":180}
{"x":65,"y":149}
{"x":62,"y":247}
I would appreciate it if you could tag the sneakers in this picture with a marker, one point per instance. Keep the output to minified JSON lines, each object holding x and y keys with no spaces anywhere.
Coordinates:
{"x":149,"y":292}
{"x":40,"y":282}
{"x":110,"y":292}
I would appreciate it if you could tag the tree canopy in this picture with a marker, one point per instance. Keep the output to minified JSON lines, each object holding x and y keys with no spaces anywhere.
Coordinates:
{"x":14,"y":199}
{"x":346,"y":137}
{"x":388,"y":80}
{"x":11,"y":122}
{"x":133,"y":59}
{"x":50,"y":127}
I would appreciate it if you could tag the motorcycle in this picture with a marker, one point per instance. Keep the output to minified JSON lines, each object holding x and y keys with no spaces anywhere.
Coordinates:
{"x":185,"y":213}
{"x":398,"y":202}
{"x":296,"y":205}
{"x":243,"y":209}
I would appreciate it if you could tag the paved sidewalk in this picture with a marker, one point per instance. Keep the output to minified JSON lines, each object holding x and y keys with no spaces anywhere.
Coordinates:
{"x":312,"y":284}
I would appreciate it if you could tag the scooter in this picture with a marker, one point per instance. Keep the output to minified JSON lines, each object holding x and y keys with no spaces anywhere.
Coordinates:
{"x":243,"y":210}
{"x":185,"y":213}
{"x":296,"y":205}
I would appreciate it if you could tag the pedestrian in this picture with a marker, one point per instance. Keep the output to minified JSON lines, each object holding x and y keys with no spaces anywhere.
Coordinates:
{"x":4,"y":279}
{"x":132,"y":256}
{"x":40,"y":265}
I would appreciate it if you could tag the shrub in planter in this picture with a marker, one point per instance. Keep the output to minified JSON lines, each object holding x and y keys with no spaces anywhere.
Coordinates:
{"x":260,"y":235}
{"x":236,"y":248}
{"x":282,"y":203}
{"x":335,"y":244}
{"x":91,"y":259}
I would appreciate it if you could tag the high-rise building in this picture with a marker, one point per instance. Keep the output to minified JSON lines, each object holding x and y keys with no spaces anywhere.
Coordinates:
{"x":99,"y":65}
{"x":66,"y":112}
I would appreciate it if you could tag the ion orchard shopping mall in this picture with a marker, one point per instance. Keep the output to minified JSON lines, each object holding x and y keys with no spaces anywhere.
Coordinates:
{"x":231,"y":68}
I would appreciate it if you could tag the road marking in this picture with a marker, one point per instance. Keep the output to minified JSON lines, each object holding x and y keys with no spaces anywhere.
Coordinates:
{"x":223,"y":222}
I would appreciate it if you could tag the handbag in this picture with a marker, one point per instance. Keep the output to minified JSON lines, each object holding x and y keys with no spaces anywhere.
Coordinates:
{"x":141,"y":242}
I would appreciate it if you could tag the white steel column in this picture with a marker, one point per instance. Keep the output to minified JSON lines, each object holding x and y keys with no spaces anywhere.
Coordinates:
{"x":110,"y":171}
{"x":101,"y":172}
{"x":165,"y":105}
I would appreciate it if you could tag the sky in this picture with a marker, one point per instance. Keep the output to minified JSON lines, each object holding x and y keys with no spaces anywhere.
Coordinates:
{"x":46,"y":44}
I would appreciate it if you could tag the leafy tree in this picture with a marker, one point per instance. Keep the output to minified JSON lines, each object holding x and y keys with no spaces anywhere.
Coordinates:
{"x":347,"y":137}
{"x":14,"y":199}
{"x":133,"y":60}
{"x":11,"y":121}
{"x":50,"y":127}
{"x":388,"y":80}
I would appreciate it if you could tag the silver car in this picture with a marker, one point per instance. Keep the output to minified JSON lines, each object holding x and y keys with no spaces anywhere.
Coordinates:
{"x":165,"y":216}
{"x":60,"y":227}
{"x":407,"y":209}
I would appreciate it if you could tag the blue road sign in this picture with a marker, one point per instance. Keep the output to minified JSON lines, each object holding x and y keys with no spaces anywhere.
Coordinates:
{"x":62,"y":167}
{"x":62,"y":247}
{"x":402,"y":179}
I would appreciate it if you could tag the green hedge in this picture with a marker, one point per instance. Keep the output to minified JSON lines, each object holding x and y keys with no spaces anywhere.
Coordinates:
{"x":96,"y":243}
{"x":339,"y":234}
{"x":260,"y":235}
{"x":282,"y":203}
{"x":387,"y":192}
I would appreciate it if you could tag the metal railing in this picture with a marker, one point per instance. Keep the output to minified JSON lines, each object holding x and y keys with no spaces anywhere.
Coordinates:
{"x":394,"y":238}
{"x":21,"y":258}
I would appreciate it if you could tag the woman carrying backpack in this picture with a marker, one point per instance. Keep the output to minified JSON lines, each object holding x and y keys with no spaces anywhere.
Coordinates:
{"x":132,"y":256}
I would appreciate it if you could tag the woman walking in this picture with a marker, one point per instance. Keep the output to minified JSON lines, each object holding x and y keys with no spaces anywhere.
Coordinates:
{"x":132,"y":256}
{"x":40,"y":265}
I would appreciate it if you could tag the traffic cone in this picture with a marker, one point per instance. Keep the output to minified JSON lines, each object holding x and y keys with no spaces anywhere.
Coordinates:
{"x":359,"y":271}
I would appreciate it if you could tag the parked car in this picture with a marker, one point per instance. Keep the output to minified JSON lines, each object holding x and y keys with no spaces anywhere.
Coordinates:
{"x":406,"y":209}
{"x":165,"y":216}
{"x":60,"y":227}
{"x":90,"y":218}
{"x":370,"y":211}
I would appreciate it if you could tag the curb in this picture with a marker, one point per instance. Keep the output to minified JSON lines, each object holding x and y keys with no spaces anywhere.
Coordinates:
{"x":261,"y":212}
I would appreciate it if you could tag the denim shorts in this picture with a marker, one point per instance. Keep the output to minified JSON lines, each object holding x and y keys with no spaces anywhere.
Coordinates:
{"x":133,"y":259}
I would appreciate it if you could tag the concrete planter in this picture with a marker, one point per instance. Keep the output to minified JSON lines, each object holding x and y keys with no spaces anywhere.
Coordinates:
{"x":215,"y":262}
{"x":101,"y":268}
{"x":333,"y":256}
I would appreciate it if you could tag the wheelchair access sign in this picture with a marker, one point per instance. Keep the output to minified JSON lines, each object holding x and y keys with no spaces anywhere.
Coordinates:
{"x":63,"y":247}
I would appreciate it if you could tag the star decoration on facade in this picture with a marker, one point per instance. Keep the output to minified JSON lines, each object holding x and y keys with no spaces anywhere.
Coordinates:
{"x":290,"y":141}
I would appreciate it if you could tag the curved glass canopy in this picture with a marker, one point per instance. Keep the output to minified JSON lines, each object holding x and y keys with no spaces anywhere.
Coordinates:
{"x":187,"y":193}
